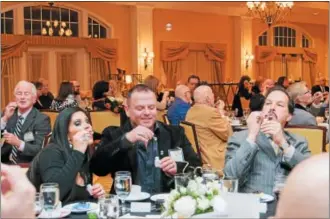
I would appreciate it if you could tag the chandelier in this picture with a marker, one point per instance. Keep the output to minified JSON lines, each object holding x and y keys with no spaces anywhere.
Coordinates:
{"x":60,"y":28}
{"x":55,"y":26}
{"x":270,"y":12}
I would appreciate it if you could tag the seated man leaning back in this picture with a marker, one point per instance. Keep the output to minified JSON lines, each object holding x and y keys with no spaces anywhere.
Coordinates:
{"x":135,"y":146}
{"x":257,"y":156}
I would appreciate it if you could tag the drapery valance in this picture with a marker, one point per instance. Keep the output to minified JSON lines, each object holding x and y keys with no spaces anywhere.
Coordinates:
{"x":267,"y":53}
{"x":175,"y":51}
{"x":15,"y":45}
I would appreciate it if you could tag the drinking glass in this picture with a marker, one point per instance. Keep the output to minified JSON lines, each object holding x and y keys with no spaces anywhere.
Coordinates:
{"x":326,"y":114}
{"x":229,"y":184}
{"x":246,"y":113}
{"x":123,"y":184}
{"x":109,"y":207}
{"x":38,"y":205}
{"x":181,"y":180}
{"x":50,"y":194}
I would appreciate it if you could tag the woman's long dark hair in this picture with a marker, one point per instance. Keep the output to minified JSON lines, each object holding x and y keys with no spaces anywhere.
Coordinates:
{"x":61,"y":128}
{"x":99,"y":89}
{"x":66,"y":89}
{"x":280,"y":81}
{"x":241,"y":82}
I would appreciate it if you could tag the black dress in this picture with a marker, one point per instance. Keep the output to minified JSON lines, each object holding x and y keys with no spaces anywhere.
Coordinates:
{"x":237,"y":101}
{"x":54,"y":164}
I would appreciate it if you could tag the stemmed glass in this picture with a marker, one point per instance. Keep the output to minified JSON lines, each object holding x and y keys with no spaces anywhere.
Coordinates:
{"x":326,"y":114}
{"x":50,"y":195}
{"x":123,"y":184}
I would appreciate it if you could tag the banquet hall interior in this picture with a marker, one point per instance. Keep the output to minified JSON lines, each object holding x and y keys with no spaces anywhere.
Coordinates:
{"x":103,"y":50}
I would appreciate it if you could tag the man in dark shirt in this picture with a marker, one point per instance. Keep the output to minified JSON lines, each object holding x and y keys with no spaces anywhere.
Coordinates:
{"x":136,"y":146}
{"x":46,"y":97}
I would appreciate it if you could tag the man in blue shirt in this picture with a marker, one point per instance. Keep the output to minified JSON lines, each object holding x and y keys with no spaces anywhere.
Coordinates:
{"x":179,"y":108}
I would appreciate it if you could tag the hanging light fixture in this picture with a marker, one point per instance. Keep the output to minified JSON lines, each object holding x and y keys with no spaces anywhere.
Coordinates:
{"x":55,"y":26}
{"x":269,"y":12}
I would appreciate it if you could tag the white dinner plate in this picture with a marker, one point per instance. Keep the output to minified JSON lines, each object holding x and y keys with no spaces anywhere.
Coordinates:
{"x":59,"y":213}
{"x":266,"y":198}
{"x":137,"y":196}
{"x":235,"y":124}
{"x":81,"y":207}
{"x":163,"y":196}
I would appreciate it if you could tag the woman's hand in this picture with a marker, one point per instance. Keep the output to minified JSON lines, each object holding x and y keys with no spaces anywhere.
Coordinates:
{"x":80,"y":140}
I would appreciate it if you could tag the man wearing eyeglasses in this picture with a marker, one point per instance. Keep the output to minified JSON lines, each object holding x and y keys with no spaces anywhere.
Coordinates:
{"x":23,"y":126}
{"x":302,"y":98}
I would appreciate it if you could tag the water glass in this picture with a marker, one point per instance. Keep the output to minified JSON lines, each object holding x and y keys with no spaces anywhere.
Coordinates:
{"x":229,"y":184}
{"x":326,"y":114}
{"x":50,"y":194}
{"x":38,"y":204}
{"x":109,"y":207}
{"x":123,"y":184}
{"x":181,"y":180}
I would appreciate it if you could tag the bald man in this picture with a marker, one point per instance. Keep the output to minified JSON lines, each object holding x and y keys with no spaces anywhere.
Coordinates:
{"x":23,"y":126}
{"x":306,"y":193}
{"x":213,"y":129}
{"x":178,"y":110}
{"x":46,"y":97}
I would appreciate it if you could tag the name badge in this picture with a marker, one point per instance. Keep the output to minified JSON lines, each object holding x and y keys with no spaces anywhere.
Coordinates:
{"x":28,"y":136}
{"x":176,"y":154}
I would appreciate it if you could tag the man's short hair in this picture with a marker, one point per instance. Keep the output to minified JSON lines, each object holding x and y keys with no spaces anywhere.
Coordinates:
{"x":33,"y":87}
{"x":280,"y":88}
{"x":138,"y":88}
{"x":38,"y":85}
{"x":194,"y":77}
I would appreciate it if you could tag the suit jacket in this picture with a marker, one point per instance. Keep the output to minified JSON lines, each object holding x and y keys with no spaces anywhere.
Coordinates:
{"x":302,"y":117}
{"x":255,"y":167}
{"x":35,"y":122}
{"x":113,"y":154}
{"x":317,"y":88}
{"x":213,"y":132}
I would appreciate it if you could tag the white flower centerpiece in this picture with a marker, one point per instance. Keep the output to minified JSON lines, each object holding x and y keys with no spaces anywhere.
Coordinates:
{"x":195,"y":199}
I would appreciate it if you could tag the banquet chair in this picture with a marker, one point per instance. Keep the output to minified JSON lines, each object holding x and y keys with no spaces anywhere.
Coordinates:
{"x":46,"y":140}
{"x":315,"y":136}
{"x":52,"y":115}
{"x":166,"y":120}
{"x":191,"y":134}
{"x":102,"y":119}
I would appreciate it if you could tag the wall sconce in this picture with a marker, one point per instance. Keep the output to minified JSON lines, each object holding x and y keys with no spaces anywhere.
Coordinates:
{"x":128,"y":79}
{"x":248,"y":58}
{"x":148,"y":57}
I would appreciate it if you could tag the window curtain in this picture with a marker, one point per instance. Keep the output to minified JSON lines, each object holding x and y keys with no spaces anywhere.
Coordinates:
{"x":293,"y":67}
{"x":9,"y":78}
{"x":183,"y":59}
{"x":37,"y":65}
{"x":100,"y":70}
{"x":66,"y":67}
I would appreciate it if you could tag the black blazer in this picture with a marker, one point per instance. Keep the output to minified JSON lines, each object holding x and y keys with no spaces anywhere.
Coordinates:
{"x":112,"y":154}
{"x":38,"y":124}
{"x":317,"y":88}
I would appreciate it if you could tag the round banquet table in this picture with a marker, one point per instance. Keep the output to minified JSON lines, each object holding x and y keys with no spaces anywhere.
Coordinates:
{"x":271,"y":208}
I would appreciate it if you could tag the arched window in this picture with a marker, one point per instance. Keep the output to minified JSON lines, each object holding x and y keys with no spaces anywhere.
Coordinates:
{"x":37,"y":19}
{"x":95,"y":29}
{"x":263,"y":39}
{"x":305,"y":41}
{"x":284,"y":37}
{"x":7,"y":22}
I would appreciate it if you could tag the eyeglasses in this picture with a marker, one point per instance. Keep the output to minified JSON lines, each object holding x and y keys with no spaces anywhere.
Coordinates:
{"x":307,"y":92}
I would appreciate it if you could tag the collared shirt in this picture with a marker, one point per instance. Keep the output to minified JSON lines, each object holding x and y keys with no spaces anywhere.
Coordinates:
{"x":24,"y":115}
{"x":149,"y":176}
{"x":177,"y":111}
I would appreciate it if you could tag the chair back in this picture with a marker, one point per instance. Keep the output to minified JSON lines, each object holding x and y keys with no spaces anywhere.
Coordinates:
{"x":52,"y":115}
{"x":245,"y":103}
{"x":190,"y":132}
{"x":102,"y":119}
{"x":46,"y":140}
{"x":166,"y":120}
{"x":315,"y":136}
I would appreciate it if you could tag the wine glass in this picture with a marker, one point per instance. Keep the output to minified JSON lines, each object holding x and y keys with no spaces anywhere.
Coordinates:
{"x":123,"y":184}
{"x":50,"y":194}
{"x":326,"y":114}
